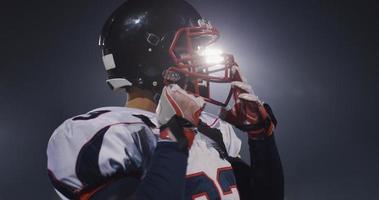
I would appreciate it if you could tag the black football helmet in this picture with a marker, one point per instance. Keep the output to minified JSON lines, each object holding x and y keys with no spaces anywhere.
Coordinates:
{"x":149,"y":43}
{"x":136,"y":37}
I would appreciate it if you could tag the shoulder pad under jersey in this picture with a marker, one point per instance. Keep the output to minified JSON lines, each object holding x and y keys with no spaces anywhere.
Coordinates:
{"x":89,"y":148}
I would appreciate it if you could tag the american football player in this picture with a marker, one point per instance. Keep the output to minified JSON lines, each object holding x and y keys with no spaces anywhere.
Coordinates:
{"x":162,"y":144}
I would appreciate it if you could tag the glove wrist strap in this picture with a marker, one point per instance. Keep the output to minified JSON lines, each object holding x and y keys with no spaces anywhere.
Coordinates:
{"x":177,"y":129}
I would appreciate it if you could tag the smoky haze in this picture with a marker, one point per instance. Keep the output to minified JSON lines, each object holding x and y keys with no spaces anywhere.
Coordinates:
{"x":316,"y":62}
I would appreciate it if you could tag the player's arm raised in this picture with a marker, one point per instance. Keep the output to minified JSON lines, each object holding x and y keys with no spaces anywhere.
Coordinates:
{"x":178,"y":114}
{"x":257,"y":120}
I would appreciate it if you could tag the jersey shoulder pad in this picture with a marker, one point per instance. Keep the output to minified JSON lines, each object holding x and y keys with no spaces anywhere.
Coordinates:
{"x":121,"y":125}
{"x":99,"y":118}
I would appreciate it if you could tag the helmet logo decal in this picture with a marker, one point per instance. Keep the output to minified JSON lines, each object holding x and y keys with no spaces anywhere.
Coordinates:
{"x":153,"y":39}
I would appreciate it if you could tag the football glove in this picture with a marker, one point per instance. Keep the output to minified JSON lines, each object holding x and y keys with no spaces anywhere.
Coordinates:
{"x":248,"y":113}
{"x":178,"y":114}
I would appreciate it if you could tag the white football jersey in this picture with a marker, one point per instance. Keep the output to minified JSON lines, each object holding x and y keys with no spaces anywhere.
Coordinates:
{"x":90,"y":148}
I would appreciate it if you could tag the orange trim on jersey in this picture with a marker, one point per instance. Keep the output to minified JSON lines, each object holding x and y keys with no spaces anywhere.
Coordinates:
{"x":165,"y":134}
{"x":214,"y":122}
{"x":174,"y":105}
{"x":203,"y":194}
{"x":86,"y":195}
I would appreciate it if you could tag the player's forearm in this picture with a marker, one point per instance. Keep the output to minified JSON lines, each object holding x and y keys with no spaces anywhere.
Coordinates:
{"x":165,"y":178}
{"x":266,"y":170}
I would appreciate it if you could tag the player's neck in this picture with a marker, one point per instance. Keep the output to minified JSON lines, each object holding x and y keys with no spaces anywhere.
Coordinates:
{"x":141,"y":103}
{"x":141,"y":99}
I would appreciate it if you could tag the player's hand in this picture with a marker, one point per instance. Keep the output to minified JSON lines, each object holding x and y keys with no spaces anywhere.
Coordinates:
{"x":178,"y":114}
{"x":248,"y":113}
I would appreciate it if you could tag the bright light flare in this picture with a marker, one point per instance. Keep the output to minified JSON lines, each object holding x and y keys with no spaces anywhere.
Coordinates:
{"x":212,"y":55}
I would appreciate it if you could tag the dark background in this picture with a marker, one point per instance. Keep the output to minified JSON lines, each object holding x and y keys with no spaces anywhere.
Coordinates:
{"x":315,"y":61}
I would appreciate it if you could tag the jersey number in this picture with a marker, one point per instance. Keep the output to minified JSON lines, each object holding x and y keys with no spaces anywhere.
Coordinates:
{"x":199,"y":184}
{"x":90,"y":115}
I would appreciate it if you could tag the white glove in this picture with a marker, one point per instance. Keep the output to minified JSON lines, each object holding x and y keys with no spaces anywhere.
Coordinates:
{"x":176,"y":101}
{"x":178,"y":114}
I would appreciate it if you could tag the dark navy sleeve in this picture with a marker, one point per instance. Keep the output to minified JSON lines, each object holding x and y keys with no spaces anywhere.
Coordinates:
{"x":263,"y":179}
{"x":165,"y":178}
{"x":266,"y":170}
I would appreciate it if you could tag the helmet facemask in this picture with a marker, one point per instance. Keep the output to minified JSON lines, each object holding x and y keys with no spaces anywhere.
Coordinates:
{"x":196,"y":64}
